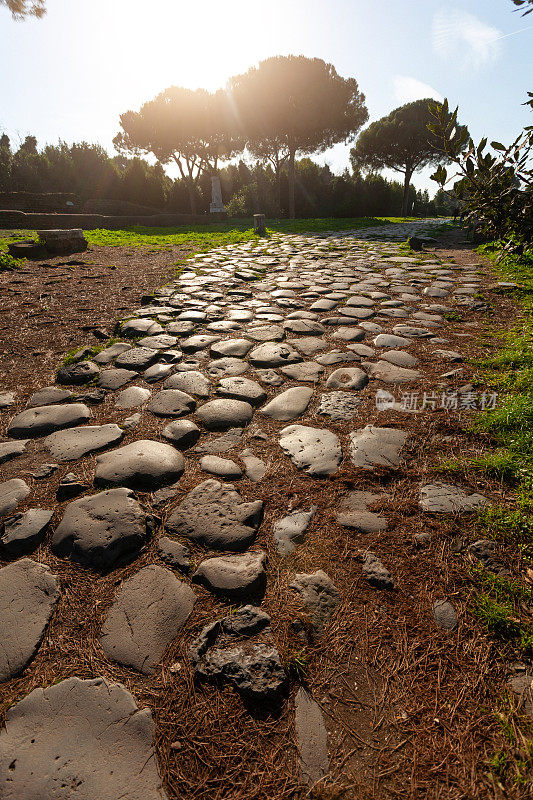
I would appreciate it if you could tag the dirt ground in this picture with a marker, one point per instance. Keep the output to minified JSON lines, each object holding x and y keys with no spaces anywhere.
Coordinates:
{"x":408,"y":707}
{"x":50,"y":307}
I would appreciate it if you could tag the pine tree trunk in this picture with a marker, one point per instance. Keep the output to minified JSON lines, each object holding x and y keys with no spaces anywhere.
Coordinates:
{"x":192,"y":196}
{"x":292,"y":212}
{"x":406,"y":184}
{"x":278,"y":188}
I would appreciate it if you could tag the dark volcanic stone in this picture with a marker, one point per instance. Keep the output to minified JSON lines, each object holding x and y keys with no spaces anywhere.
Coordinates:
{"x":150,"y":609}
{"x":173,"y":553}
{"x":23,"y":532}
{"x":254,"y":669}
{"x":214,"y":514}
{"x":101,"y":529}
{"x":79,"y":738}
{"x":29,"y":593}
{"x":47,"y":419}
{"x":75,"y":443}
{"x":77,"y":374}
{"x":144,"y":465}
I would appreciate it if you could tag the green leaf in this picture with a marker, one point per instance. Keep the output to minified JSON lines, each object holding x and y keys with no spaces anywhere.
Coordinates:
{"x":497,"y":146}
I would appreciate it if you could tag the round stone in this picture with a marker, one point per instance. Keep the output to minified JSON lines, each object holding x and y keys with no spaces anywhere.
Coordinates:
{"x":190,"y":382}
{"x":271,"y":354}
{"x":182,"y":433}
{"x":115,"y":378}
{"x":133,"y":397}
{"x":171,"y":403}
{"x":101,"y":530}
{"x":289,"y":404}
{"x":225,"y":367}
{"x":220,"y":415}
{"x":242,"y":389}
{"x":161,"y":342}
{"x":48,"y":396}
{"x":47,"y":419}
{"x":235,"y":577}
{"x":221,"y":467}
{"x":230,"y":348}
{"x":143,"y":465}
{"x":347,"y":378}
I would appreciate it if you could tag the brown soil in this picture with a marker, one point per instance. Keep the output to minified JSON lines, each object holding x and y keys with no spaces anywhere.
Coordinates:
{"x":49,"y":307}
{"x":408,"y":707}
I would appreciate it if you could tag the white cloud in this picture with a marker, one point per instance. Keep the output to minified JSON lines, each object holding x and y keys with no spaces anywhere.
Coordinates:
{"x":462,"y":38}
{"x":409,"y":89}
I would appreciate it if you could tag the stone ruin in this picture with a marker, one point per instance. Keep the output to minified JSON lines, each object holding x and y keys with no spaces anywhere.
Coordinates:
{"x":51,"y":243}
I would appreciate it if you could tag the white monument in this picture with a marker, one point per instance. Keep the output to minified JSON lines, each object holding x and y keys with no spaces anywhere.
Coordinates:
{"x":216,"y":206}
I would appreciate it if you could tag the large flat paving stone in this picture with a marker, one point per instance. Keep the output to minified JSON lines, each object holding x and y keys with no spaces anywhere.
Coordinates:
{"x":221,"y":415}
{"x":12,"y":493}
{"x":43,"y":420}
{"x":114,"y":379}
{"x":372,"y":446}
{"x":315,"y":450}
{"x":319,"y":595}
{"x":144,"y":465}
{"x":271,"y":354}
{"x":29,"y":593}
{"x":49,"y":395}
{"x":83,"y":739}
{"x":353,"y":512}
{"x":171,"y":403}
{"x":23,"y":532}
{"x":146,"y":616}
{"x":234,"y":577}
{"x":78,"y":442}
{"x":214,"y":514}
{"x":9,"y":450}
{"x":102,"y":529}
{"x":312,"y":738}
{"x":443,"y":498}
{"x":390,"y":373}
{"x":289,"y":404}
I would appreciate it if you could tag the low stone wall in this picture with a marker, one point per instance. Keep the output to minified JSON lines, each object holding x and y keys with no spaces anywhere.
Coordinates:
{"x":22,"y":220}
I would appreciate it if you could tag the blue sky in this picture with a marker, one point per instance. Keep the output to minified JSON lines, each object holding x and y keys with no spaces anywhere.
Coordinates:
{"x":72,"y":73}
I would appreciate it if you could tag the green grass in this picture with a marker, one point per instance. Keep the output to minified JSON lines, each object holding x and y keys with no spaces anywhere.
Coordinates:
{"x":202,"y":238}
{"x":501,"y":603}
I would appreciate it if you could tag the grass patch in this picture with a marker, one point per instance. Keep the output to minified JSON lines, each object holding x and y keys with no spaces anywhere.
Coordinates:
{"x":504,"y":604}
{"x":202,"y":238}
{"x":8,"y":263}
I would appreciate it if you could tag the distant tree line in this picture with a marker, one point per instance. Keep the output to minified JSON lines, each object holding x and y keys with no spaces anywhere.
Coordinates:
{"x":87,"y":171}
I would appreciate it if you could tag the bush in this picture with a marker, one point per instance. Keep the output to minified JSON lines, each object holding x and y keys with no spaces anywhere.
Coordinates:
{"x":495,"y":190}
{"x":8,"y":262}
